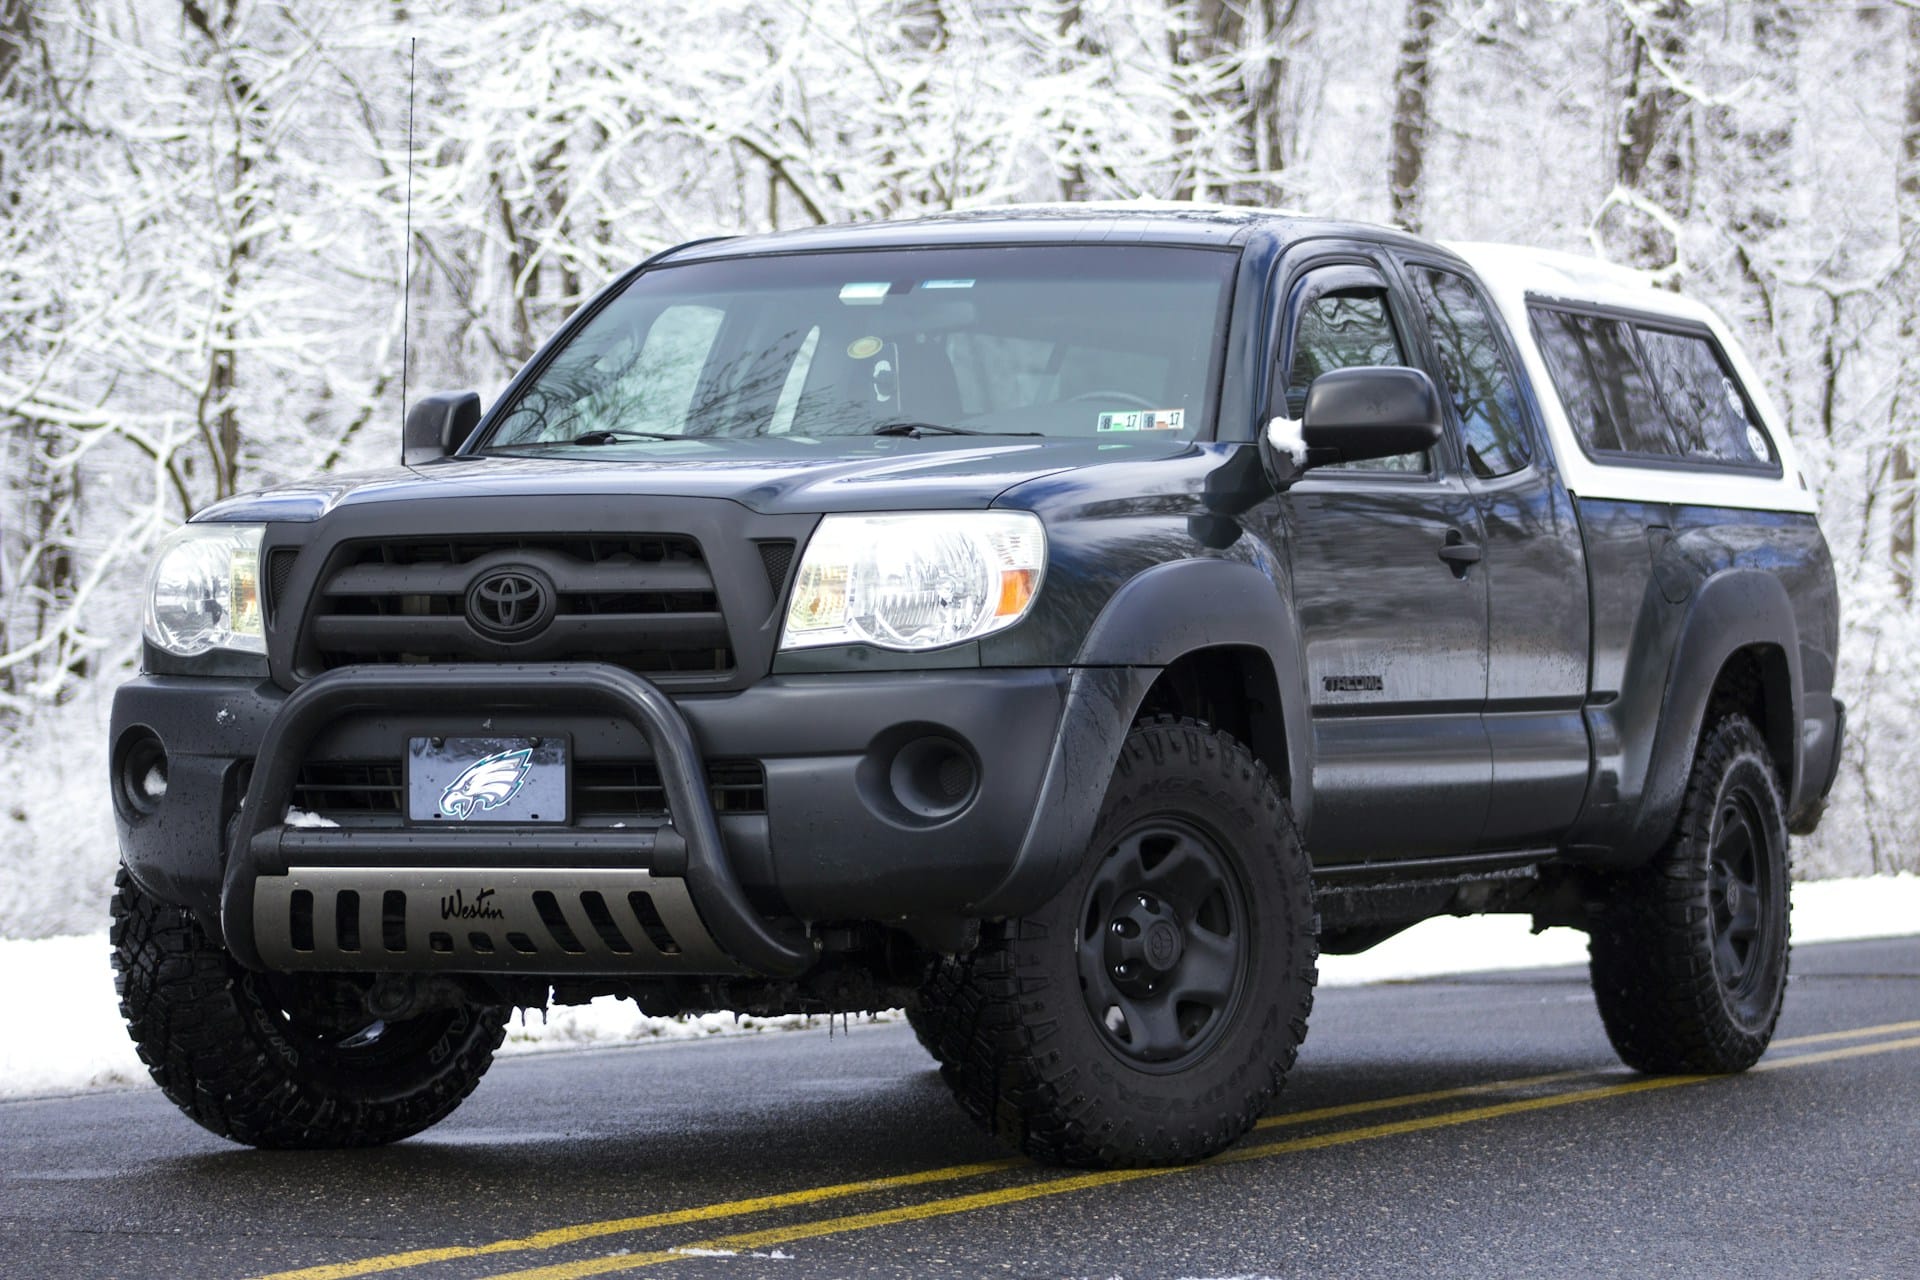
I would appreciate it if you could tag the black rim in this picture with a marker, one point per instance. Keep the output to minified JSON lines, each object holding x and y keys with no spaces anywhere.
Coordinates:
{"x":1163,"y":944}
{"x":1740,"y":891}
{"x":326,"y":1022}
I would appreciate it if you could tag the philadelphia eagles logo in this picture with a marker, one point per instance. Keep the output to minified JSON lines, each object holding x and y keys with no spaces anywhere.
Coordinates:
{"x":487,"y":783}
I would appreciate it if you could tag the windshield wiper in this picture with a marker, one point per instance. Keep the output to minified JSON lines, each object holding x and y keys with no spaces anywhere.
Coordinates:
{"x":918,"y":429}
{"x":590,"y":438}
{"x":615,"y":437}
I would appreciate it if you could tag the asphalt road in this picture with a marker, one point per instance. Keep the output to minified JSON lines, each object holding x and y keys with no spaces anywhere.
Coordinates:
{"x":639,"y":1158}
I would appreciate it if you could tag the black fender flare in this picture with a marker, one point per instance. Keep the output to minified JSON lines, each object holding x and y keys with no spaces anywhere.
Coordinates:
{"x":1155,"y":618}
{"x":1731,"y":611}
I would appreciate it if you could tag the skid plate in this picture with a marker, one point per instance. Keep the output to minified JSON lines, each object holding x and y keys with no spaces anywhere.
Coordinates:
{"x":514,"y":920}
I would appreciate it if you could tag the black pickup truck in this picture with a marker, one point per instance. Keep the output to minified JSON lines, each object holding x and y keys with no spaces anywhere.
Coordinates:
{"x":1063,"y":622}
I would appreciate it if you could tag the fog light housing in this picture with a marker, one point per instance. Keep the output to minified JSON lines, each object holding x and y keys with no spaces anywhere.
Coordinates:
{"x":142,"y":775}
{"x":933,"y":777}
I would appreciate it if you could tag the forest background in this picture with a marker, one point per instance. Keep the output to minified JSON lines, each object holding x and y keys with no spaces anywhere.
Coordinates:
{"x":204,"y":203}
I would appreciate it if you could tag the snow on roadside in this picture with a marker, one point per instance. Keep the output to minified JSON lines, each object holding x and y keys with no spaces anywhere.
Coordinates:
{"x":610,"y":1020}
{"x":60,"y":1029}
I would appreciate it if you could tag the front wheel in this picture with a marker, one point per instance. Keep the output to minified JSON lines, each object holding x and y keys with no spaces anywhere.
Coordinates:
{"x":1151,"y":1011}
{"x":284,"y":1060}
{"x":1689,"y":958}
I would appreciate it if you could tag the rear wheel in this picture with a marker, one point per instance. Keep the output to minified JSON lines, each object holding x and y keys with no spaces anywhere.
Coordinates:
{"x":1149,"y":1013}
{"x":284,"y":1060}
{"x":1689,"y":960}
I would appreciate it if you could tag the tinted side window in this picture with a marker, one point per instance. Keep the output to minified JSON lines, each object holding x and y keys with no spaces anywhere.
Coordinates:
{"x":1710,"y":417}
{"x":1595,"y":367}
{"x":1340,"y":330}
{"x":1474,"y":365}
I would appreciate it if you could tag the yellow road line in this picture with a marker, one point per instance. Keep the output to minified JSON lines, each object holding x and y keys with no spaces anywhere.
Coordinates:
{"x":1833,"y":1055}
{"x":618,"y":1226}
{"x":1415,"y":1099}
{"x":772,"y":1236}
{"x":787,"y":1200}
{"x":1858,"y":1033}
{"x":560,"y":1236}
{"x":1524,"y":1082}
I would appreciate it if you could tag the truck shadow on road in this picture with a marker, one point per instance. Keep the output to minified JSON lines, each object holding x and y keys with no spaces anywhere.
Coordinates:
{"x":640,"y":1140}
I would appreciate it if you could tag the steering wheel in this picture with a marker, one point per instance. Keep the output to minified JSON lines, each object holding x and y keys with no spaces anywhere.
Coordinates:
{"x":1113,"y":393}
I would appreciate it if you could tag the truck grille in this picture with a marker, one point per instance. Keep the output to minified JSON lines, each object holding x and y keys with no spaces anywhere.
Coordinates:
{"x":601,"y":788}
{"x":646,"y":602}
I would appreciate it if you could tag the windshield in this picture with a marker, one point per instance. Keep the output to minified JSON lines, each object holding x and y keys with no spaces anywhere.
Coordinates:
{"x":1057,"y":341}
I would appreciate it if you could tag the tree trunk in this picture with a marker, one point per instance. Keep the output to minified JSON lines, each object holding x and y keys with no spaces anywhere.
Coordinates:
{"x":16,"y":28}
{"x":518,"y":247}
{"x":1240,"y":50}
{"x":1198,"y":30}
{"x":218,"y":411}
{"x":1900,"y":547}
{"x":1267,"y":70}
{"x":1651,"y":147}
{"x":1412,"y":112}
{"x":1073,"y":177}
{"x":55,"y":493}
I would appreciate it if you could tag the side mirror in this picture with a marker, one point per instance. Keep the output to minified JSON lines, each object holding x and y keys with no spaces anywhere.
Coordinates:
{"x":1352,"y":415}
{"x":437,"y":425}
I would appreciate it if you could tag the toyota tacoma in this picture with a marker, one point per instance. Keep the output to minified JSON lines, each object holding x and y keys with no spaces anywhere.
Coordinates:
{"x":1065,"y":623}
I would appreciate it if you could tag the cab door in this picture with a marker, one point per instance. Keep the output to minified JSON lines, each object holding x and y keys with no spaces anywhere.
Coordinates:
{"x":1534,"y":565}
{"x":1391,"y":600}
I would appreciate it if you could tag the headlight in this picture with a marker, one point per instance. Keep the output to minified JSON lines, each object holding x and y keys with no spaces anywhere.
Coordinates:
{"x":915,"y":581}
{"x":204,"y":592}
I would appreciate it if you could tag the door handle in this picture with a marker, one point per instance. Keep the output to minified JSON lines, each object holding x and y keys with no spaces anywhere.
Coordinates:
{"x":1459,"y":554}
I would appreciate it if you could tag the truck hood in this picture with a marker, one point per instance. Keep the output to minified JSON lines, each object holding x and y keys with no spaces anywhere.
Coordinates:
{"x":771,"y":476}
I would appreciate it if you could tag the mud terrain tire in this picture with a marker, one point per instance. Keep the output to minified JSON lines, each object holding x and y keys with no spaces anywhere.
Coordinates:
{"x":245,"y":1054}
{"x":1689,"y":959}
{"x":1191,"y":923}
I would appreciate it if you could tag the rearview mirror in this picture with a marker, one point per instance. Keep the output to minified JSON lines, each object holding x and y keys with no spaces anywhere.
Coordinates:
{"x":1352,"y":415}
{"x":437,"y":425}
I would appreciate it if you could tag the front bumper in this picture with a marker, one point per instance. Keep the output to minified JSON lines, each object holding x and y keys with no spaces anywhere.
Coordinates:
{"x":834,"y":842}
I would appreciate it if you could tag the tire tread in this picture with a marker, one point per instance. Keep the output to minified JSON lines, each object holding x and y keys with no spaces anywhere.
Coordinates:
{"x":1006,"y":1068}
{"x":1650,"y":954}
{"x":179,"y":997}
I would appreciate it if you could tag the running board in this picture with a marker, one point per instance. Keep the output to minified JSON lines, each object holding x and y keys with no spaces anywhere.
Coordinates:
{"x":1366,"y":895}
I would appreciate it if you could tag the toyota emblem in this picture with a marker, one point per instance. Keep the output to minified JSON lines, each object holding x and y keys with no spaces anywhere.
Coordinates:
{"x":510,"y":604}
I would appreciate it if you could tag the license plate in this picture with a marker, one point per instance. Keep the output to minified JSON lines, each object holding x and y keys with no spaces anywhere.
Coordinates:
{"x":457,"y":780}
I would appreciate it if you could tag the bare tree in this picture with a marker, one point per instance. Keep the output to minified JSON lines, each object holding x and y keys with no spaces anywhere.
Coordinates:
{"x":16,"y":29}
{"x":1412,"y":111}
{"x":37,"y":569}
{"x":1907,"y":288}
{"x":1236,"y":132}
{"x":1652,"y":145}
{"x":236,"y":204}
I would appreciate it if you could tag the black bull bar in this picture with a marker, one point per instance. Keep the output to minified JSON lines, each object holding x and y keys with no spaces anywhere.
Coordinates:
{"x":686,"y":851}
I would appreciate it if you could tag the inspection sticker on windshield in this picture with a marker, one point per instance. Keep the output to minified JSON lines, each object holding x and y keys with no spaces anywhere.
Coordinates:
{"x":864,"y":293}
{"x":1143,"y":420}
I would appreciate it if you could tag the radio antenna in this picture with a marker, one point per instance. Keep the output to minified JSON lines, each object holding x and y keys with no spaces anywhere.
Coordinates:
{"x":406,"y":255}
